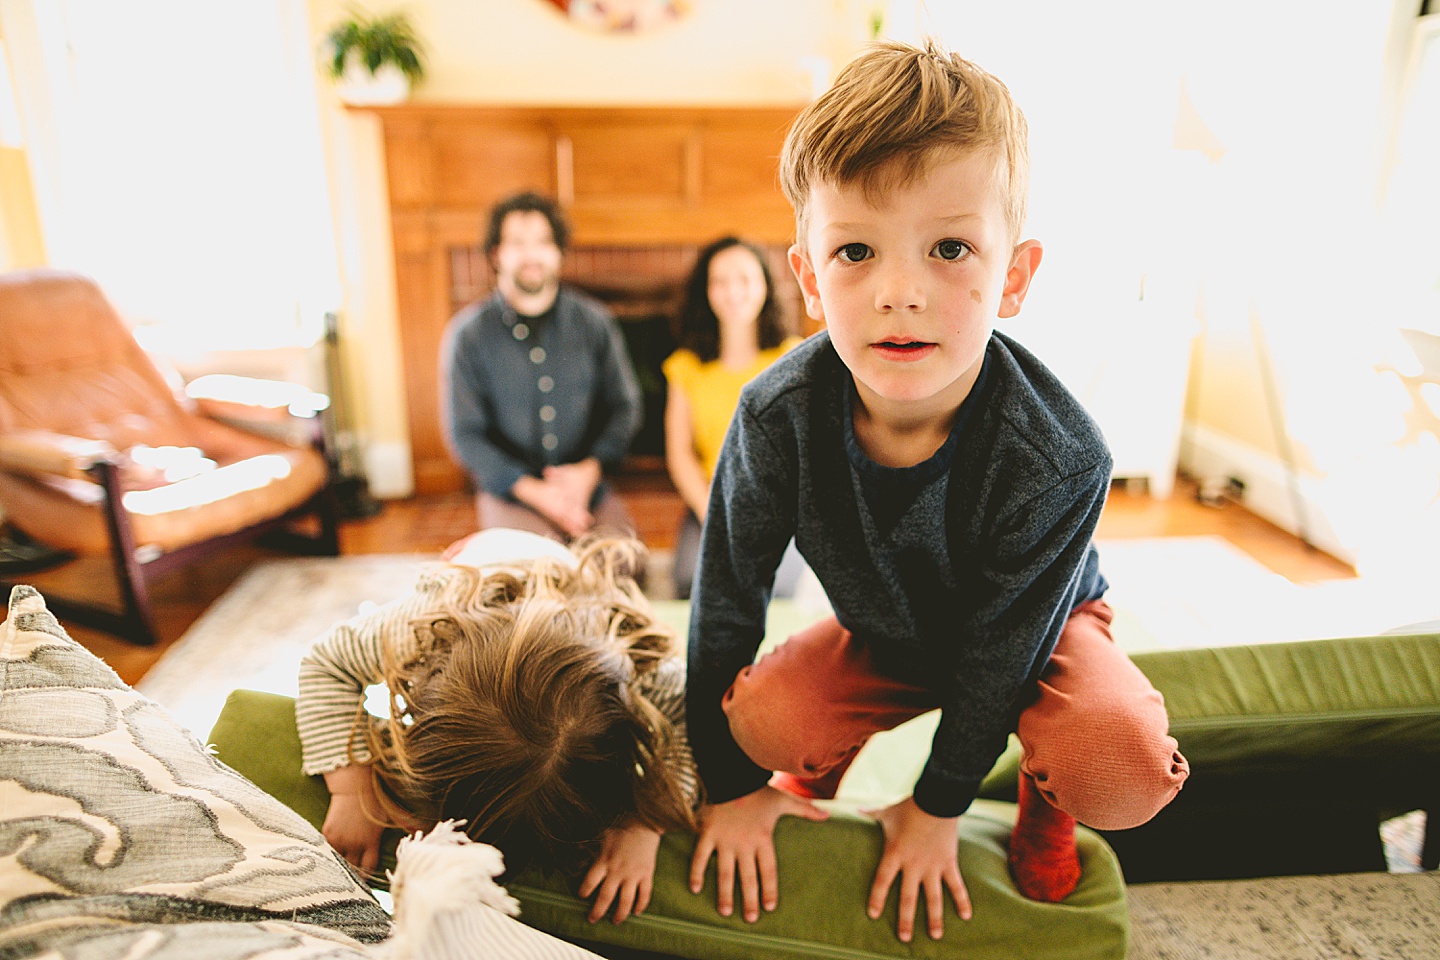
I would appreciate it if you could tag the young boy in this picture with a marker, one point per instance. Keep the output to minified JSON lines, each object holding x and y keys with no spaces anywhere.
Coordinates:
{"x":944,"y":486}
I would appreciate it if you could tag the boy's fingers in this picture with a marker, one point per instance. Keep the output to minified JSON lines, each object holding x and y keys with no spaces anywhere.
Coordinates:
{"x":909,"y":900}
{"x":749,"y":889}
{"x":958,"y":891}
{"x":880,"y":889}
{"x":769,"y":880}
{"x":725,"y":881}
{"x":806,"y":809}
{"x":935,"y":907}
{"x":642,"y":899}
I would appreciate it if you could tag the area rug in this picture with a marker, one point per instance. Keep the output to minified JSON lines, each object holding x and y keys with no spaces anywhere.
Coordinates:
{"x":254,"y":636}
{"x":1361,"y":916}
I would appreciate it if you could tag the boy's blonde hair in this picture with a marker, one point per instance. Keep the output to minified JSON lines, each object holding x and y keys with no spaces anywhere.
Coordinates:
{"x":518,"y":712}
{"x":890,"y":113}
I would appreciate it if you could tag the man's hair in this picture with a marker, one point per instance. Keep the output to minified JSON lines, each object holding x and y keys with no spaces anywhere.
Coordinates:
{"x":891,"y":111}
{"x":699,"y":329}
{"x":527,"y":202}
{"x":517,"y":709}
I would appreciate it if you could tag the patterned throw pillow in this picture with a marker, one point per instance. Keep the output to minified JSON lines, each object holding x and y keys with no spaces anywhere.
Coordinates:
{"x":119,"y":830}
{"x":121,"y":838}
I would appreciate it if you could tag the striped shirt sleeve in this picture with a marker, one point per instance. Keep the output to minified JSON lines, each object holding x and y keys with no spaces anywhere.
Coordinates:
{"x":665,"y":688}
{"x":341,"y":664}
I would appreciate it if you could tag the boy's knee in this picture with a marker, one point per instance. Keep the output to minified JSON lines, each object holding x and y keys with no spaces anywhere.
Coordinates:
{"x":1112,"y":766}
{"x":769,"y":725}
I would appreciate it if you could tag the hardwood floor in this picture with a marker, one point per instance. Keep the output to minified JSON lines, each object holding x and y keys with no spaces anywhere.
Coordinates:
{"x":425,"y":525}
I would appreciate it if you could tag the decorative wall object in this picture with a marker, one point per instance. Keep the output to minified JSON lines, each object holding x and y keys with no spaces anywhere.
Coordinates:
{"x":623,"y":16}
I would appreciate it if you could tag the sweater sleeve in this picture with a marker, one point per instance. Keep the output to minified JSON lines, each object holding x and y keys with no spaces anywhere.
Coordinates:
{"x":338,"y":668}
{"x":750,"y":520}
{"x":1029,"y":578}
{"x":468,"y":414}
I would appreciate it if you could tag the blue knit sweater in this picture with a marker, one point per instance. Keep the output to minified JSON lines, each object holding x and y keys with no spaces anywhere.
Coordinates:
{"x":958,"y":572}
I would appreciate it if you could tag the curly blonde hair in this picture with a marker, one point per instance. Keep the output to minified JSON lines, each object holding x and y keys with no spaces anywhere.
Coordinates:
{"x":517,"y":710}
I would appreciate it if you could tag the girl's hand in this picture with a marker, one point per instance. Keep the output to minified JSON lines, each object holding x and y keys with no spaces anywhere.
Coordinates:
{"x":921,"y":851}
{"x":624,"y":871}
{"x":348,"y":828}
{"x":741,"y":834}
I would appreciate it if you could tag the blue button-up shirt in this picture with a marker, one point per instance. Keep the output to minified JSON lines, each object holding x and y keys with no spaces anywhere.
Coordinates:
{"x":523,"y":393}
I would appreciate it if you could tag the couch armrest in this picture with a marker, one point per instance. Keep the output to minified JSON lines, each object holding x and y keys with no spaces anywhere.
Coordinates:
{"x":42,"y":453}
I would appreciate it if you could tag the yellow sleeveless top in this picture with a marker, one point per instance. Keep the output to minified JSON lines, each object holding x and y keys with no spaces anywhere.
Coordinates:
{"x":713,"y":392}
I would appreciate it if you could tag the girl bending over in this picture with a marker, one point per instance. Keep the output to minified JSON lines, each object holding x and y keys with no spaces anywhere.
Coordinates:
{"x":532,"y":694}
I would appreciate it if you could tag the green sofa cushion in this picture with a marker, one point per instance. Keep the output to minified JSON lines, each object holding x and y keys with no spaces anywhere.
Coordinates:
{"x":826,"y":870}
{"x":1293,"y":704}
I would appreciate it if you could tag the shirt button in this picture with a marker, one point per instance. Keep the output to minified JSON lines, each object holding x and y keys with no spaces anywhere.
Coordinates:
{"x":520,"y":330}
{"x":546,"y":384}
{"x":537,"y":354}
{"x":547,"y":413}
{"x":549,"y":441}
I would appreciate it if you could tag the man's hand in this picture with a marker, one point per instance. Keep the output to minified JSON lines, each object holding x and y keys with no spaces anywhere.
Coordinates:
{"x":577,"y":480}
{"x":623,"y":872}
{"x":553,"y":502}
{"x":921,"y":851}
{"x":348,"y":828}
{"x":741,"y":835}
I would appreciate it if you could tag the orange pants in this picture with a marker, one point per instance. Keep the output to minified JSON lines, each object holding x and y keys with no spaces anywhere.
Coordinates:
{"x":1095,"y":739}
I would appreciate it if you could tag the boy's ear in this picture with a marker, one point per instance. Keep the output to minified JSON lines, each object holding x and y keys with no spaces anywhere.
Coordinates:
{"x":805,"y":276}
{"x":1023,"y":265}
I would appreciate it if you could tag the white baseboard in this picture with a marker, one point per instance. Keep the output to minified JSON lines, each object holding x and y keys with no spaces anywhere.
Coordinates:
{"x":388,"y":470}
{"x":1207,"y":453}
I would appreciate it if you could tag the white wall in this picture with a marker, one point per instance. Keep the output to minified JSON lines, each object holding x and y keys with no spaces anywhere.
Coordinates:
{"x":1235,"y":152}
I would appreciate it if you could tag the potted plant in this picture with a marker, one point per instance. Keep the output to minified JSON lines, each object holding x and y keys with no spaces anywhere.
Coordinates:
{"x":374,"y":59}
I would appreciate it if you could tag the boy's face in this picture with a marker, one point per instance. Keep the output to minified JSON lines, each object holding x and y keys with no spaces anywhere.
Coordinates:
{"x":911,"y":281}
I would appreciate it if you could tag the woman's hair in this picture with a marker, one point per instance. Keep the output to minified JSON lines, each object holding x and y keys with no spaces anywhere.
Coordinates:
{"x":699,"y":327}
{"x":518,"y":713}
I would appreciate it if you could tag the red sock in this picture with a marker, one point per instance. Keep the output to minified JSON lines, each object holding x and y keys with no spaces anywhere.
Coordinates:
{"x":1043,"y":859}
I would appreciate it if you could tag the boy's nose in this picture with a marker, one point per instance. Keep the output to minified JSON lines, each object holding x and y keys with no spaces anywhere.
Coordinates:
{"x":899,"y":289}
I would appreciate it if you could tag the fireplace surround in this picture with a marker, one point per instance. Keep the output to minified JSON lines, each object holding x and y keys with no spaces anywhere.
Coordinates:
{"x":644,"y":188}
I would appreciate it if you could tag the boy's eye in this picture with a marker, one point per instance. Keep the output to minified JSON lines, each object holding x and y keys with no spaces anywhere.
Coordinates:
{"x":952,"y":249}
{"x":853,"y":252}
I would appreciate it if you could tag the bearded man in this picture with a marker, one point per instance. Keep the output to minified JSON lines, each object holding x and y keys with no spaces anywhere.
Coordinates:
{"x":538,"y":389}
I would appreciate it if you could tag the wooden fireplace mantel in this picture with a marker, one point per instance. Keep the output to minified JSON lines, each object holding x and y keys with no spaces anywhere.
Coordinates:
{"x":626,"y":176}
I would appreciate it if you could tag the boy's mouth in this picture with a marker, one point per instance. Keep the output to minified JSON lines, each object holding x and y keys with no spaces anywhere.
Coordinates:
{"x":897,"y":349}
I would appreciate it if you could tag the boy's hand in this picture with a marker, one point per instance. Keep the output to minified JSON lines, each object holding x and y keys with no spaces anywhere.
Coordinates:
{"x":623,"y":872}
{"x":741,"y":834}
{"x":921,"y":850}
{"x":353,"y":834}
